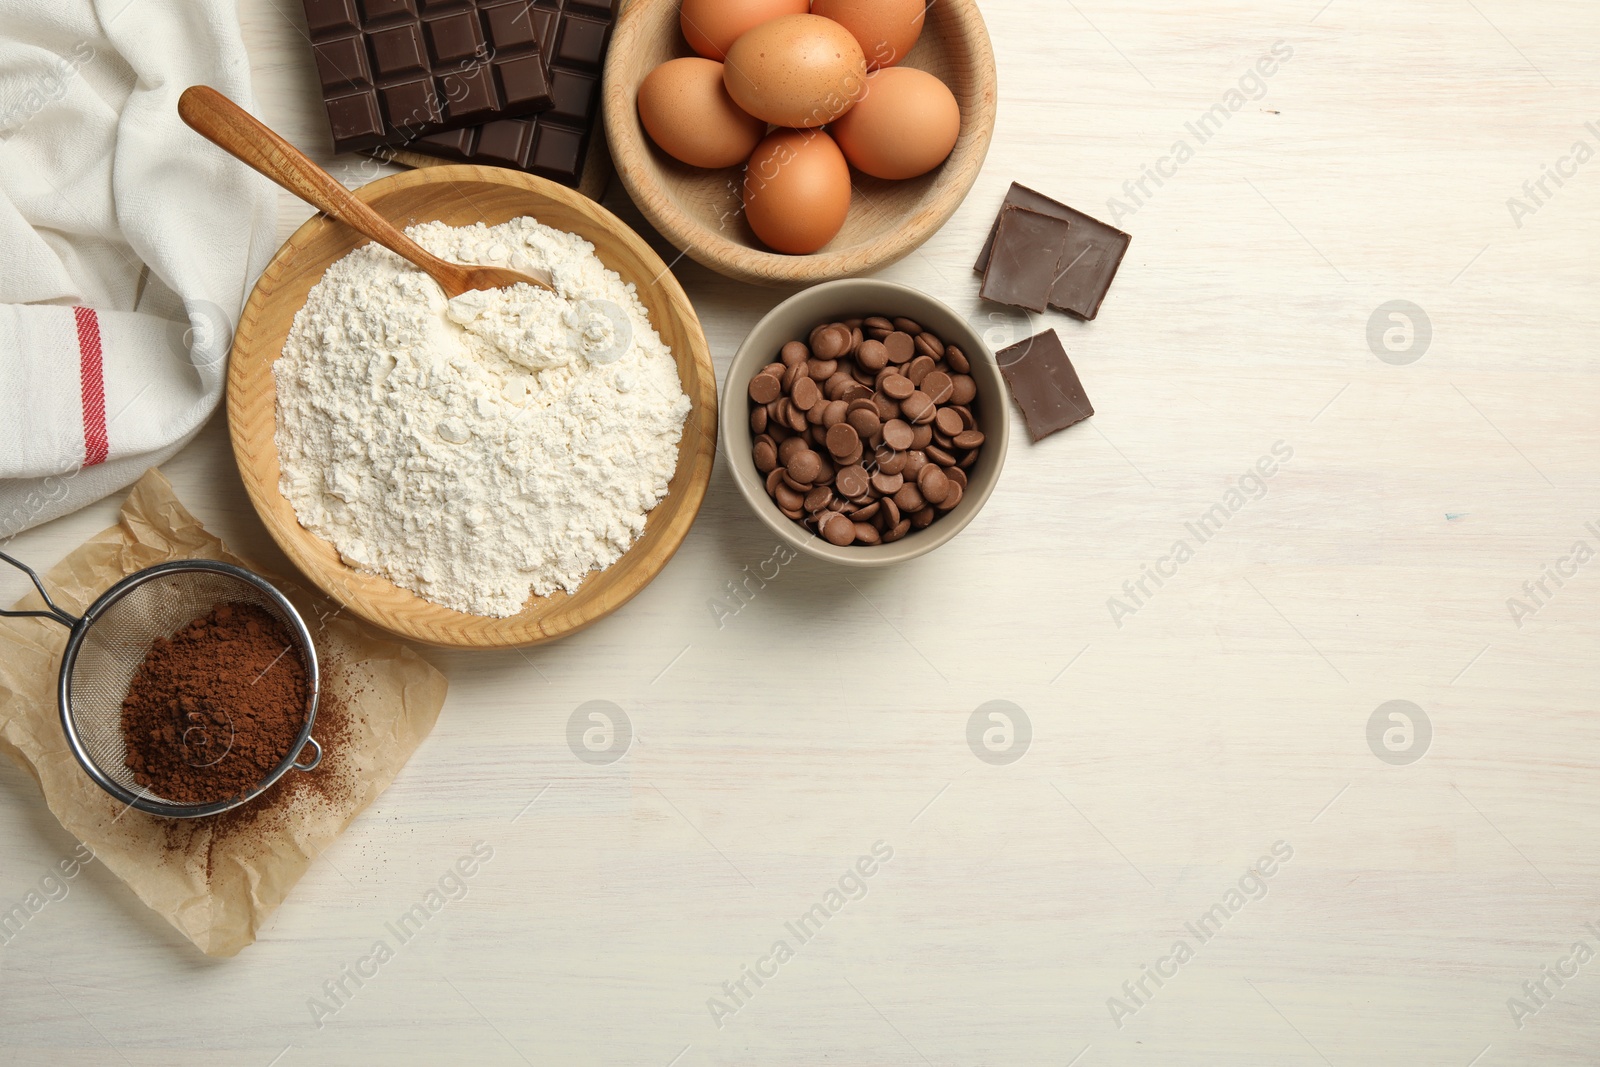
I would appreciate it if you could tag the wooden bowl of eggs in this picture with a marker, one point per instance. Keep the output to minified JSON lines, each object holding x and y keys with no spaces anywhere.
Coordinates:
{"x":788,"y":142}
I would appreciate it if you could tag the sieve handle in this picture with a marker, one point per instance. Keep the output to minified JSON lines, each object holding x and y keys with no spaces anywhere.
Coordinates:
{"x":316,"y":755}
{"x":65,"y":619}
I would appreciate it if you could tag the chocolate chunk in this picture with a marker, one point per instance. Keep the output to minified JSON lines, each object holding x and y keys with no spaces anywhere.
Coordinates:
{"x":1089,"y":263}
{"x":392,"y":73}
{"x":571,"y":37}
{"x":1022,"y":262}
{"x":1046,"y":386}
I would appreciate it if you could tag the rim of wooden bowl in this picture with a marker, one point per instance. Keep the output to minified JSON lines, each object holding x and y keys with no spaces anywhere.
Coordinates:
{"x":638,"y":161}
{"x":252,"y":419}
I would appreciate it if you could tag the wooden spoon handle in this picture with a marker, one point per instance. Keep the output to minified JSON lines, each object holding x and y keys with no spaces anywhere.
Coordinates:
{"x":241,"y":135}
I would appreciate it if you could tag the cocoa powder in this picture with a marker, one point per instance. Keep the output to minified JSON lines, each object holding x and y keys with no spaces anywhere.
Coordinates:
{"x":213,"y":710}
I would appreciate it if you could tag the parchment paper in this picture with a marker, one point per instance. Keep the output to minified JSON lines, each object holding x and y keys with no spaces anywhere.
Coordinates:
{"x":217,"y":879}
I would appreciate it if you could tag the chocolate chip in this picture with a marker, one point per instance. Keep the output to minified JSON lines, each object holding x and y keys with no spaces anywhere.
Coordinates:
{"x":852,"y":480}
{"x":843,"y":439}
{"x":764,"y":388}
{"x":897,"y":435}
{"x":831,"y":342}
{"x":918,"y":408}
{"x":805,"y":393}
{"x":909,"y":498}
{"x":886,"y":483}
{"x":900,"y":347}
{"x":897,"y":386}
{"x":805,"y":466}
{"x":872,"y":355}
{"x":907,"y":326}
{"x":933,"y":484}
{"x":839,"y":530}
{"x":866,"y":420}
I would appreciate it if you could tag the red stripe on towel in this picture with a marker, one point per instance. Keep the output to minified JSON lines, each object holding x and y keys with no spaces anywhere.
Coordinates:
{"x":91,"y":371}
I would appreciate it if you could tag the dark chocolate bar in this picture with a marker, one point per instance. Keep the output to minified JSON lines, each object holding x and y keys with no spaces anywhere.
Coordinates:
{"x":573,"y":36}
{"x":1022,"y":266}
{"x":395,"y":70}
{"x":1094,"y":252}
{"x":1045,"y":384}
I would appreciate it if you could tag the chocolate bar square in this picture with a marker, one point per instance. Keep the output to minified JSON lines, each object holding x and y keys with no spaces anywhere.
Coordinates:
{"x":1045,"y":384}
{"x":1022,"y":265}
{"x":342,"y":65}
{"x":1093,"y":254}
{"x":396,"y":50}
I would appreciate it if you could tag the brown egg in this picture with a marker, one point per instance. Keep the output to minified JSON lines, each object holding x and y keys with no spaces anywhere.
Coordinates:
{"x":798,"y":71}
{"x":690,"y":116}
{"x":797,"y":191}
{"x":711,"y":26}
{"x":885,"y":29}
{"x":905,"y":126}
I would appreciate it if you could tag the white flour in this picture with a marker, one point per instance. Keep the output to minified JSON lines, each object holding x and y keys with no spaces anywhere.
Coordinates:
{"x":471,"y":450}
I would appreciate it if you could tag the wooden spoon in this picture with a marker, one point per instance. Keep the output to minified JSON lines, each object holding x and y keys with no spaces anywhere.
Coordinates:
{"x":237,"y":132}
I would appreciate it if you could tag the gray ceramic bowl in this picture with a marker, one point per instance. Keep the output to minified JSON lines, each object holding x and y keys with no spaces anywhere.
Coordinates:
{"x":793,"y":320}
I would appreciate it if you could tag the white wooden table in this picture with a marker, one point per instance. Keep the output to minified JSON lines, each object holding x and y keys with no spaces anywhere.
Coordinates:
{"x":1229,"y":712}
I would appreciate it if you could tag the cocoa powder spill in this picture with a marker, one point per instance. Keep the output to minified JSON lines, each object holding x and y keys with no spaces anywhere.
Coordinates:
{"x":252,"y":833}
{"x":213,"y":710}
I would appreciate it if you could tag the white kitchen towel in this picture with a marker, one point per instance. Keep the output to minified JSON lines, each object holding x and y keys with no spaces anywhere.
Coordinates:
{"x":127,"y":242}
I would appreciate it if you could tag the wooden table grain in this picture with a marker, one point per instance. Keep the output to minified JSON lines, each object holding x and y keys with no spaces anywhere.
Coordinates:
{"x":1115,"y":777}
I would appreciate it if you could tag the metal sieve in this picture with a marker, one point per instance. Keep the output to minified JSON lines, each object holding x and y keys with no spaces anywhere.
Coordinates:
{"x":107,"y":644}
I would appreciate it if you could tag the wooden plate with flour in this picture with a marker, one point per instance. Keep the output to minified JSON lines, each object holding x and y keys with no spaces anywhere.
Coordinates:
{"x":461,"y":195}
